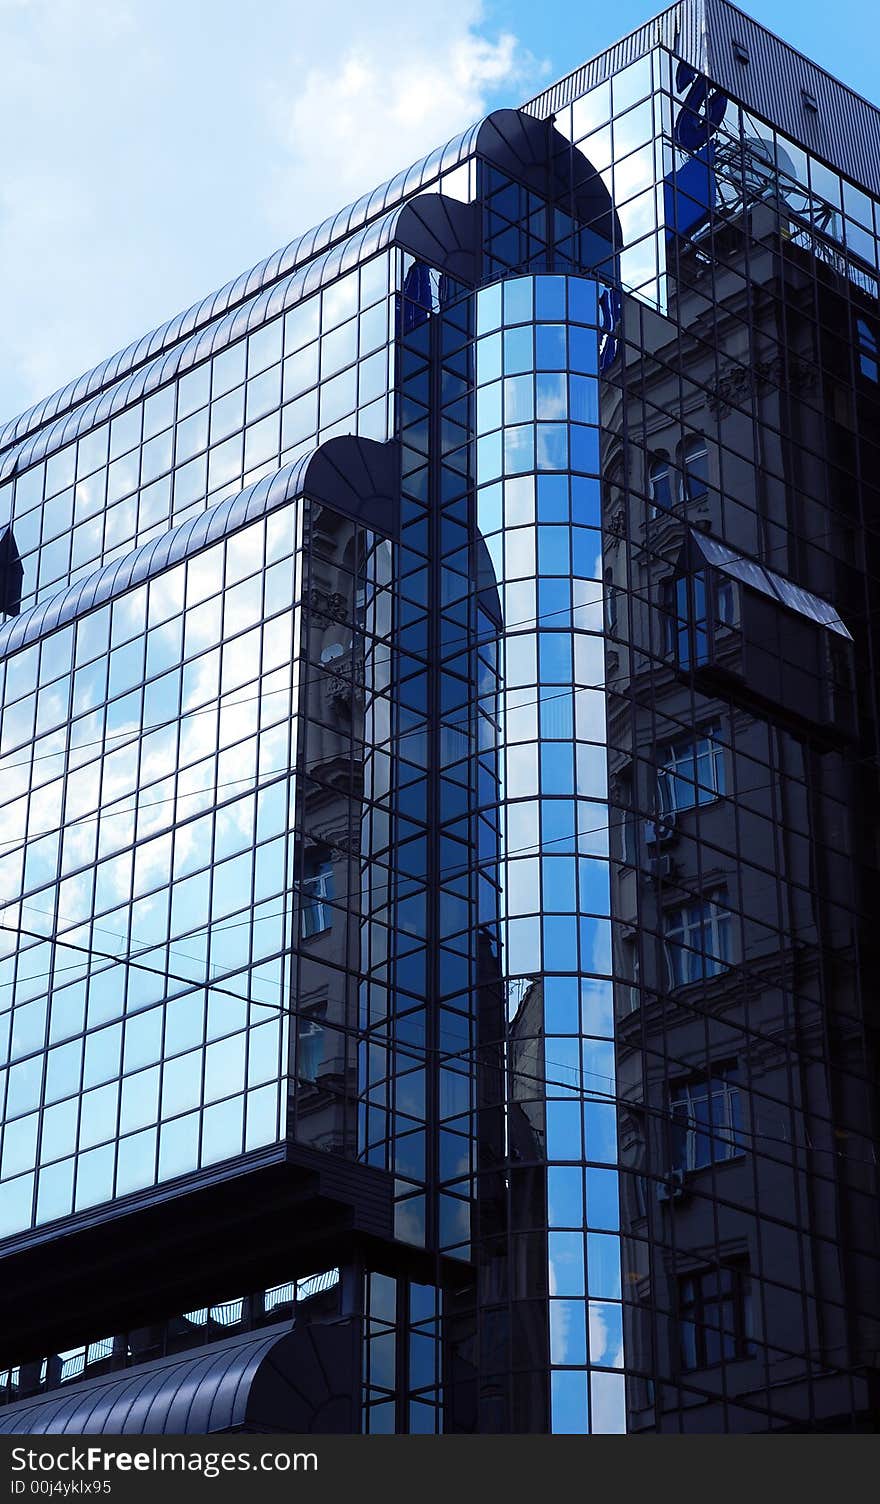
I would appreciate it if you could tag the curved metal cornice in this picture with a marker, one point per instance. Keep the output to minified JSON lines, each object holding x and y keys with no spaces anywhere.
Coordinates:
{"x":432,"y":227}
{"x":536,"y":153}
{"x":530,"y":149}
{"x":297,"y":1380}
{"x":339,"y":227}
{"x":357,"y":477}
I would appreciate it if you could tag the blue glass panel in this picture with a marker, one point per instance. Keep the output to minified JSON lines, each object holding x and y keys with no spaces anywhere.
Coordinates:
{"x":518,"y":356}
{"x":553,"y":498}
{"x":595,"y":888}
{"x":20,"y":1145}
{"x":94,"y":1176}
{"x":603,"y":1263}
{"x":55,"y":1193}
{"x":550,"y":297}
{"x":559,"y":894}
{"x":62,"y":1077}
{"x":606,"y":1333}
{"x":566,"y":1249}
{"x":489,"y":509}
{"x":586,"y":553}
{"x":519,"y":501}
{"x":489,"y":406}
{"x":552,"y":445}
{"x":554,"y":596}
{"x":558,"y":826}
{"x":568,"y":1337}
{"x":584,"y":448}
{"x":551,"y":396}
{"x":583,"y":396}
{"x":178,"y":1150}
{"x":564,"y":1142}
{"x":495,"y":545}
{"x":102,"y":1055}
{"x":518,"y":300}
{"x":59,"y":1129}
{"x":596,"y":945}
{"x":597,"y":1006}
{"x":561,"y":1011}
{"x":550,"y":346}
{"x":585,"y":501}
{"x":555,"y":657}
{"x":519,"y":399}
{"x":519,"y":449}
{"x":598,"y":1065}
{"x":557,"y":775}
{"x":136,"y":1162}
{"x":560,"y":939}
{"x":565,"y":1196}
{"x":556,"y":714}
{"x":489,"y":309}
{"x":489,"y":358}
{"x":603,"y":1197}
{"x":608,"y":1403}
{"x":569,"y":1406}
{"x":553,"y":550}
{"x":523,"y":946}
{"x":600,"y":1129}
{"x":582,"y":294}
{"x":489,"y":456}
{"x":16,"y":1205}
{"x":583,"y":352}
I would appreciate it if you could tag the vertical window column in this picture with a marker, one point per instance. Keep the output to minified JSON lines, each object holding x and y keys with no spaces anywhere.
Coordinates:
{"x":539,"y":516}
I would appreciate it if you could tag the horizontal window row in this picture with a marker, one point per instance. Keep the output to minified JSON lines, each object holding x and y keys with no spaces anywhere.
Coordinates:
{"x":207,"y":479}
{"x":140,"y":1160}
{"x":90,"y":1115}
{"x":350,"y":296}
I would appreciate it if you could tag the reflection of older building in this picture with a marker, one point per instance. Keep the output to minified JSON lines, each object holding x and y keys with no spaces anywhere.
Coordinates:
{"x":327,"y":868}
{"x":732,"y":733}
{"x":438,"y":786}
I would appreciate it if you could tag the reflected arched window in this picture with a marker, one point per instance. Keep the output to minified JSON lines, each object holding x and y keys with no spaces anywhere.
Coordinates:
{"x":694,"y":469}
{"x":659,"y":486}
{"x":868,"y":353}
{"x":316,"y":897}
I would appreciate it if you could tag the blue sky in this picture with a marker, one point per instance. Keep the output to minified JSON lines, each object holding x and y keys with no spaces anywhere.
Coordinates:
{"x":154,"y":148}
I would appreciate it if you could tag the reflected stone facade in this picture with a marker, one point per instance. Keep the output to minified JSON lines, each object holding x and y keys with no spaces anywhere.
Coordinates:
{"x":438,"y":783}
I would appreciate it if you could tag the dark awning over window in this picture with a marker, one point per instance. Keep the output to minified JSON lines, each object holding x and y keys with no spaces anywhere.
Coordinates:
{"x":280,"y":1379}
{"x":768,"y":582}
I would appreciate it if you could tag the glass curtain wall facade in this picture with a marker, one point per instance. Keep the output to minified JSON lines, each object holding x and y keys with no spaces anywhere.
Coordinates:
{"x":438,"y":773}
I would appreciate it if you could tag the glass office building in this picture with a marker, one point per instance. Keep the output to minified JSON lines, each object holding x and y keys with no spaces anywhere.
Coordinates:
{"x":438,"y":795}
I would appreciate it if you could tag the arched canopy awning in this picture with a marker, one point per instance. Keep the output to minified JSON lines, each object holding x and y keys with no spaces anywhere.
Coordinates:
{"x":282,"y":1380}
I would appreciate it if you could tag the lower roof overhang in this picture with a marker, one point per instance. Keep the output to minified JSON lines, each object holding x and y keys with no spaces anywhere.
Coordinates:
{"x":299,"y":1379}
{"x":242,"y":1225}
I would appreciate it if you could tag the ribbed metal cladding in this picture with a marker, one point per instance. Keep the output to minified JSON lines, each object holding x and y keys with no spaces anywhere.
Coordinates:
{"x":681,"y":29}
{"x":843,"y":131}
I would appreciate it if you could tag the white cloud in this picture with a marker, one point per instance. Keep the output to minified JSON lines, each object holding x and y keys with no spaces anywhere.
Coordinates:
{"x":356,"y":123}
{"x":152,"y":150}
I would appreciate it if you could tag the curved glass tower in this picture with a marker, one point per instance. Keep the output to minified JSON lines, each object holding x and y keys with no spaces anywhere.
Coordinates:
{"x":438,"y":774}
{"x":539,"y":511}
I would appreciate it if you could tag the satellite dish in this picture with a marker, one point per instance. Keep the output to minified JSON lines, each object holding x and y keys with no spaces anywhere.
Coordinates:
{"x":759,"y":166}
{"x":770,"y":173}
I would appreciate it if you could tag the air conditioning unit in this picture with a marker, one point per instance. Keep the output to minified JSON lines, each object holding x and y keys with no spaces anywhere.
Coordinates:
{"x":673,"y":1188}
{"x":663,"y":865}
